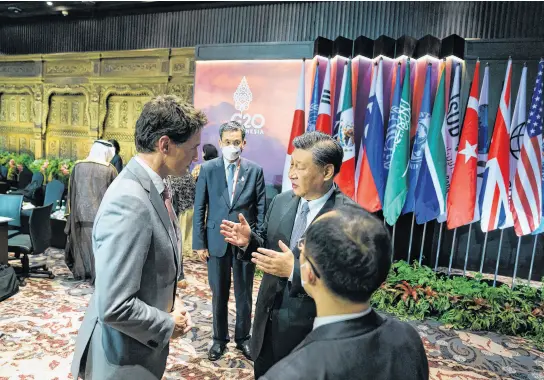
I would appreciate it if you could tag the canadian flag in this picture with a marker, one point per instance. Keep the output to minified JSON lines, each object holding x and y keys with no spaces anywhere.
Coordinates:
{"x":324,"y":123}
{"x":297,"y":129}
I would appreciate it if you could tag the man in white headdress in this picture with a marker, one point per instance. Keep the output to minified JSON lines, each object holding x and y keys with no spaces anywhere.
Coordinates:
{"x":89,"y":181}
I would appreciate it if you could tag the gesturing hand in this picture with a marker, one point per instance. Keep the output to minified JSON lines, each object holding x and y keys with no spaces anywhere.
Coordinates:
{"x":277,"y":263}
{"x":237,"y":234}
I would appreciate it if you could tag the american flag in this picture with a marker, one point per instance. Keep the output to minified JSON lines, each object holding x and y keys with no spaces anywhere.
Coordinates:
{"x":527,"y":187}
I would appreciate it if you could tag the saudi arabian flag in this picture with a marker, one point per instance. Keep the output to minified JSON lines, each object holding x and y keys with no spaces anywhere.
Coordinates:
{"x":396,"y":188}
{"x":431,"y":185}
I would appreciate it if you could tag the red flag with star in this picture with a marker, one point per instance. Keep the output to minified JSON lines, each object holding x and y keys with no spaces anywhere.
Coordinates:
{"x":462,"y":195}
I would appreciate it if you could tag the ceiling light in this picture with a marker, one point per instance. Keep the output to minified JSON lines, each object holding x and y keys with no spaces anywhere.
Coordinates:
{"x":50,"y":3}
{"x":65,"y":13}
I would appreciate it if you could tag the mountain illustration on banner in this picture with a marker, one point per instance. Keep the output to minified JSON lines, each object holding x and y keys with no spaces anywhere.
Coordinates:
{"x":242,"y":96}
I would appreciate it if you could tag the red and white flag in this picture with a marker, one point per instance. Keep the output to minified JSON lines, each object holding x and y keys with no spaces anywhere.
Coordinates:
{"x":324,"y":123}
{"x":495,"y":185}
{"x":527,"y":184}
{"x":462,"y":195}
{"x":297,"y":129}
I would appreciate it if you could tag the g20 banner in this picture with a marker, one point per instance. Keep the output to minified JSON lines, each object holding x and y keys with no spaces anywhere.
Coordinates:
{"x":259,"y":94}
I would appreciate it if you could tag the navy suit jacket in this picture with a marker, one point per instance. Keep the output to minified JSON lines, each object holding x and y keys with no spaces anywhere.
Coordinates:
{"x":212,"y":203}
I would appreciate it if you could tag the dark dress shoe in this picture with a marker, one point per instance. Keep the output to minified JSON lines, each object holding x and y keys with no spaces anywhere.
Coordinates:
{"x":216,"y":351}
{"x":244,"y":347}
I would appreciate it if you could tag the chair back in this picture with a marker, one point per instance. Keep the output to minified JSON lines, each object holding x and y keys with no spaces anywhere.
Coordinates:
{"x":37,"y":177}
{"x":40,"y":229}
{"x":3,"y":172}
{"x":53,"y":193}
{"x":10,"y":206}
{"x":25,"y":178}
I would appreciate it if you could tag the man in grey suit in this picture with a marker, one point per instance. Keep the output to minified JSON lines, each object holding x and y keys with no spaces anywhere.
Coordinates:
{"x":131,"y":317}
{"x":228,"y":186}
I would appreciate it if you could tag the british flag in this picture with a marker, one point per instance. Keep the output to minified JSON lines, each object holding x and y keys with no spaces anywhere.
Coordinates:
{"x":495,"y":185}
{"x":527,"y":186}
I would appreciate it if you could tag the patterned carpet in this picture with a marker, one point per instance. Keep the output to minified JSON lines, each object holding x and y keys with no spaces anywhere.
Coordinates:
{"x":39,"y":327}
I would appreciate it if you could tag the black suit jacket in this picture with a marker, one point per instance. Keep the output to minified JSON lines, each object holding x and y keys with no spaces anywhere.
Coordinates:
{"x":295,"y":309}
{"x":212,"y":203}
{"x":367,"y":348}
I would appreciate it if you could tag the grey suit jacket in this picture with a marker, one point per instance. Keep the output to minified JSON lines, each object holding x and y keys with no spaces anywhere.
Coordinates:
{"x":212,"y":203}
{"x":127,"y":326}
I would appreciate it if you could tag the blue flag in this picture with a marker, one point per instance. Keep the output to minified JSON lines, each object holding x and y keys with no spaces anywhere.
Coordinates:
{"x":314,"y":103}
{"x":392,"y":126}
{"x":420,"y":139}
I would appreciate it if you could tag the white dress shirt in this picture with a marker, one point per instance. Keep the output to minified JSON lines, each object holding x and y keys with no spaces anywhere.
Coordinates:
{"x":227,"y":163}
{"x":155,"y":178}
{"x":322,"y":321}
{"x":315,"y":207}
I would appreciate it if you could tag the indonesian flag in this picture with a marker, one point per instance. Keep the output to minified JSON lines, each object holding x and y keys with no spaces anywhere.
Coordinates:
{"x":324,"y":123}
{"x":462,"y":196}
{"x":346,"y":136}
{"x":495,"y":185}
{"x":297,"y":129}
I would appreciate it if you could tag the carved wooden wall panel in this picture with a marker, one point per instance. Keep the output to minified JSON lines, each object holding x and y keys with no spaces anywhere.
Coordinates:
{"x":58,"y":104}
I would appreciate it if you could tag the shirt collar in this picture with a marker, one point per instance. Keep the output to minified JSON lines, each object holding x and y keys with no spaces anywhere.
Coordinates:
{"x":155,"y":178}
{"x":318,"y":203}
{"x":227,"y":162}
{"x":322,"y":321}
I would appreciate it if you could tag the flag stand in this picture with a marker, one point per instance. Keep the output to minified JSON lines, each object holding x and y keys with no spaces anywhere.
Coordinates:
{"x":422,"y":243}
{"x":411,"y":236}
{"x":498,"y":260}
{"x":516,"y":264}
{"x":393,"y":244}
{"x":452,"y":248}
{"x":532,"y":261}
{"x":483,"y":254}
{"x":438,"y":248}
{"x":466,"y":251}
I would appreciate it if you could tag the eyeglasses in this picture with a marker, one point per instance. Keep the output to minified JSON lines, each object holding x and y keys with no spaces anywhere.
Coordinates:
{"x":300,"y":245}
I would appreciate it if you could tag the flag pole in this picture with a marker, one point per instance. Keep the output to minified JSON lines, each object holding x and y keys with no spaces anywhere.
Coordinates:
{"x":516,"y":264}
{"x":498,"y":260}
{"x":438,"y":249}
{"x":452,"y":248}
{"x":393,"y":244}
{"x":483,"y":254}
{"x":422,"y":243}
{"x":411,"y":236}
{"x":466,"y":251}
{"x":532,"y":261}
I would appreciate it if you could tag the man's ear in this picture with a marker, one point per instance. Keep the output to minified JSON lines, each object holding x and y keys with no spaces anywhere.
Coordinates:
{"x":329,"y":172}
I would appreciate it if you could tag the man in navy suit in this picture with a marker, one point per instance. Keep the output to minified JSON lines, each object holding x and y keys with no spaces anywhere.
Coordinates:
{"x":228,"y":186}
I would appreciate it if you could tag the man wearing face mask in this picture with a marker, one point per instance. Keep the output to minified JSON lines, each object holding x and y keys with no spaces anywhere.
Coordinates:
{"x":344,"y":258}
{"x":228,"y":186}
{"x":284,"y":313}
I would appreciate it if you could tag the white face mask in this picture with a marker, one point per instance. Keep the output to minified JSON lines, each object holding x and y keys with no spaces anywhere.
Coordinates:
{"x":302,"y":282}
{"x":231,"y":152}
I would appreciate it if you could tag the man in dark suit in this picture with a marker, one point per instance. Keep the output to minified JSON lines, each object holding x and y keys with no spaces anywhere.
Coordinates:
{"x":228,"y":186}
{"x":344,"y":258}
{"x":284,"y":312}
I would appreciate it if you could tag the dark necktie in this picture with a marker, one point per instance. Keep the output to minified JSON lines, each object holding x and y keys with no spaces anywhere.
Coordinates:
{"x":230,"y":179}
{"x":300,"y":225}
{"x":166,"y":195}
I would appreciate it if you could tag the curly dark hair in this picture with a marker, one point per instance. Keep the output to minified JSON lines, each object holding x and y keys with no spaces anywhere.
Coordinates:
{"x":351,"y":250}
{"x":166,"y":115}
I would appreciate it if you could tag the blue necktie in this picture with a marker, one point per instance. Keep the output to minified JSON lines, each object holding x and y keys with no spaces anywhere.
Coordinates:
{"x":230,"y":179}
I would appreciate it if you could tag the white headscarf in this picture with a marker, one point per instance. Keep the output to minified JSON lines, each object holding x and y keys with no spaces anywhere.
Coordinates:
{"x":102,"y":151}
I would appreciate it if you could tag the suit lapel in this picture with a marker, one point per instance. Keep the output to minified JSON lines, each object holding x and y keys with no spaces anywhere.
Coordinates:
{"x":335,"y":200}
{"x":287,"y":220}
{"x":240,"y":181}
{"x":220,"y":170}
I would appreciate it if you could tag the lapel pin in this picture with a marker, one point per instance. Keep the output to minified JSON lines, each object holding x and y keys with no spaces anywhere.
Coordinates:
{"x":242,"y":179}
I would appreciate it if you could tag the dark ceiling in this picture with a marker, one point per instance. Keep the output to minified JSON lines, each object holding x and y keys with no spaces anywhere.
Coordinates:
{"x":41,"y":11}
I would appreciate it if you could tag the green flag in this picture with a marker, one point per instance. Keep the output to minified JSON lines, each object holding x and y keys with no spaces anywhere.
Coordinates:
{"x":396,"y":188}
{"x":431,"y":184}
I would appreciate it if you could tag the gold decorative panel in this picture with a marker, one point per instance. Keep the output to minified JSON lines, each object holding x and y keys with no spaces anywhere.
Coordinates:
{"x":56,"y":105}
